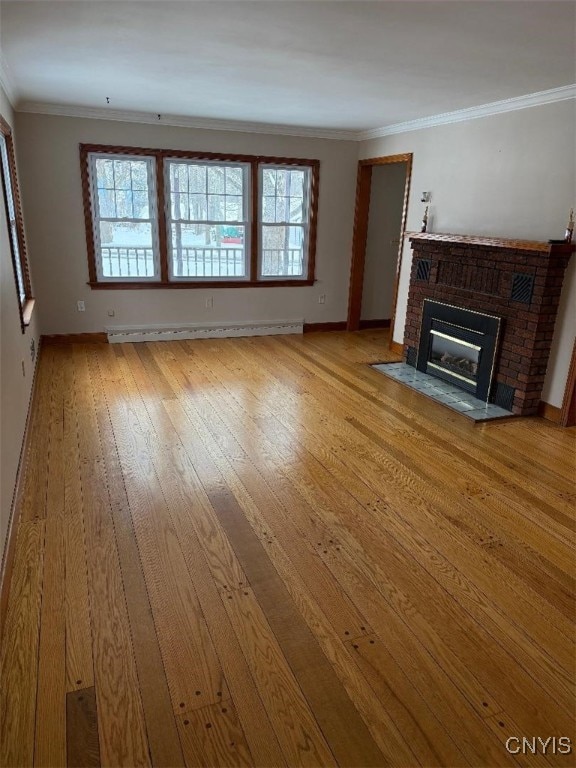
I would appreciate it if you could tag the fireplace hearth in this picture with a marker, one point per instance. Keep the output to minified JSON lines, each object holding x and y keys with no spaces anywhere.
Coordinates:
{"x":481,"y":314}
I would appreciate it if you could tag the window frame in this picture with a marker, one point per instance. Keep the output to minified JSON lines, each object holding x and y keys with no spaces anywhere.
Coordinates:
{"x":97,"y":219}
{"x":305,"y":224}
{"x":162,"y":156}
{"x":246,"y":221}
{"x":26,"y":300}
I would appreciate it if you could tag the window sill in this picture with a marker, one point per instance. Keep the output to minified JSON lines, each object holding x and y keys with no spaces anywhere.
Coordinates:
{"x":27,"y":311}
{"x":110,"y":285}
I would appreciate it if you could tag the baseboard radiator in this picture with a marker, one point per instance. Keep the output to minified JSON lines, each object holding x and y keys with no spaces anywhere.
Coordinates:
{"x":122,"y":334}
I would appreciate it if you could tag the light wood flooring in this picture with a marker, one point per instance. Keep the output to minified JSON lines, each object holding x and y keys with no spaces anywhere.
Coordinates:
{"x":262,"y":552}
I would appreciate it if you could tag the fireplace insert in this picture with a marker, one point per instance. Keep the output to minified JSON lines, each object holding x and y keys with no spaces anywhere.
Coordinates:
{"x":459,"y":346}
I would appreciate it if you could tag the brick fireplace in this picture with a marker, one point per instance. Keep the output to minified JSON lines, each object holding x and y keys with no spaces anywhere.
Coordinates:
{"x":515,"y":282}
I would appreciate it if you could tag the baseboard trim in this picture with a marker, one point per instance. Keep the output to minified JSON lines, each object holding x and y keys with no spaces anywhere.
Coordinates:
{"x":16,"y":506}
{"x":397,"y":348}
{"x":339,"y":325}
{"x":75,"y":338}
{"x":367,"y":324}
{"x":550,"y":412}
{"x":126,"y":333}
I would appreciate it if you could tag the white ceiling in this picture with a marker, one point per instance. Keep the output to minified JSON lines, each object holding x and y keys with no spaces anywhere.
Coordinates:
{"x":324,"y":63}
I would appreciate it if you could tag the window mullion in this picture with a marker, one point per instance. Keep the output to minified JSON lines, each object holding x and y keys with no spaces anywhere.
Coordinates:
{"x":161,"y":214}
{"x":255,"y":228}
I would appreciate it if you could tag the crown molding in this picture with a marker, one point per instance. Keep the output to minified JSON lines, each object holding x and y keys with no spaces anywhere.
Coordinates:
{"x":6,"y":80}
{"x":472,"y":113}
{"x":540,"y":98}
{"x":179,"y":121}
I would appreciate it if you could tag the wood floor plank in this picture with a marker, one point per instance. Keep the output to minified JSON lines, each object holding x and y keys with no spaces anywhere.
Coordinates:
{"x":19,"y":657}
{"x":79,"y":661}
{"x":82,"y":745}
{"x":163,"y":741}
{"x":187,"y":650}
{"x":213,"y":736}
{"x":122,"y":729}
{"x":51,"y":700}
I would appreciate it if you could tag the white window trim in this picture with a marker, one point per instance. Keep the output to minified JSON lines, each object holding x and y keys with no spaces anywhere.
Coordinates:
{"x":96,"y":218}
{"x":305,"y":225}
{"x":246,"y":222}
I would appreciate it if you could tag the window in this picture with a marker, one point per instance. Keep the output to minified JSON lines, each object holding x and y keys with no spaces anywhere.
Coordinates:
{"x":164,"y":218}
{"x":208,"y":223}
{"x":284,"y":221}
{"x":15,"y":224}
{"x":124,"y":217}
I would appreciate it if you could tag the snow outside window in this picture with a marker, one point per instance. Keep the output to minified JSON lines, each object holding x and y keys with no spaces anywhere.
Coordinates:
{"x":208,"y":222}
{"x":285,"y":221}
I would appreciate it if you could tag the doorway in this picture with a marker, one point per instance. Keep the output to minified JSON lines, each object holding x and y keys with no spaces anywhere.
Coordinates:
{"x":382,"y":193}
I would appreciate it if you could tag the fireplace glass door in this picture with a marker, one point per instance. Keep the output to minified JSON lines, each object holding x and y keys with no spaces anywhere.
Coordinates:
{"x":454,"y":356}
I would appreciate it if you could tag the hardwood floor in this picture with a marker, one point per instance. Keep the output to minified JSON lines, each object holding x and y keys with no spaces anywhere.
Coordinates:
{"x":262,"y":552}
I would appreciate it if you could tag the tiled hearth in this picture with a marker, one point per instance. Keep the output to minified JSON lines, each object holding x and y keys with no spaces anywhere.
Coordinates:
{"x":518,"y":282}
{"x":442,"y":392}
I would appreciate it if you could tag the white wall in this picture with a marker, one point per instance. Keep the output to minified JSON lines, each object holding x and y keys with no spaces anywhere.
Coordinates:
{"x":384,"y":224}
{"x":509,"y":175}
{"x":15,"y":389}
{"x":51,"y":189}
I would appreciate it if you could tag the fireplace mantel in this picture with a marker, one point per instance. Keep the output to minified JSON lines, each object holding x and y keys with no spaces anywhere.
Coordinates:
{"x":519,"y":281}
{"x":491,"y":242}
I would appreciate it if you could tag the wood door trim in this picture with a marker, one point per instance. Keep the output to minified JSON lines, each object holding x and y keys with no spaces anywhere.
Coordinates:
{"x":567,"y":412}
{"x":387,"y":159}
{"x":363,"y":184}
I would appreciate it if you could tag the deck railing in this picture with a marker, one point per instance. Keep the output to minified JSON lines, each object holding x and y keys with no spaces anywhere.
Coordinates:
{"x":133,"y":261}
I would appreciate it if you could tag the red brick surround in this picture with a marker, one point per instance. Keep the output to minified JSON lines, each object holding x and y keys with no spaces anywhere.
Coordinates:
{"x":479,"y":274}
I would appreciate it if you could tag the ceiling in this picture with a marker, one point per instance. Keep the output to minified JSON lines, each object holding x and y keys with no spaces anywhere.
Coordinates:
{"x":321,"y":63}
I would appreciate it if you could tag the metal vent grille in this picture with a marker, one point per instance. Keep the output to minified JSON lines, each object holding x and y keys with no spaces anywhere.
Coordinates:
{"x":504,"y":396}
{"x":423,"y":269}
{"x":522,"y":286}
{"x":411,"y":356}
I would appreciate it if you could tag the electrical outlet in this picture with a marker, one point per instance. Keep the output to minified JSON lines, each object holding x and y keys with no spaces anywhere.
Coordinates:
{"x":209,"y":302}
{"x":81,"y":306}
{"x":110,"y":313}
{"x":322,"y":298}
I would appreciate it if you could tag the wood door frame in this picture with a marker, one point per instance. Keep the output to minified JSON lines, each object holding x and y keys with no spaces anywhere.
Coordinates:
{"x":363,"y":185}
{"x":568,"y":406}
